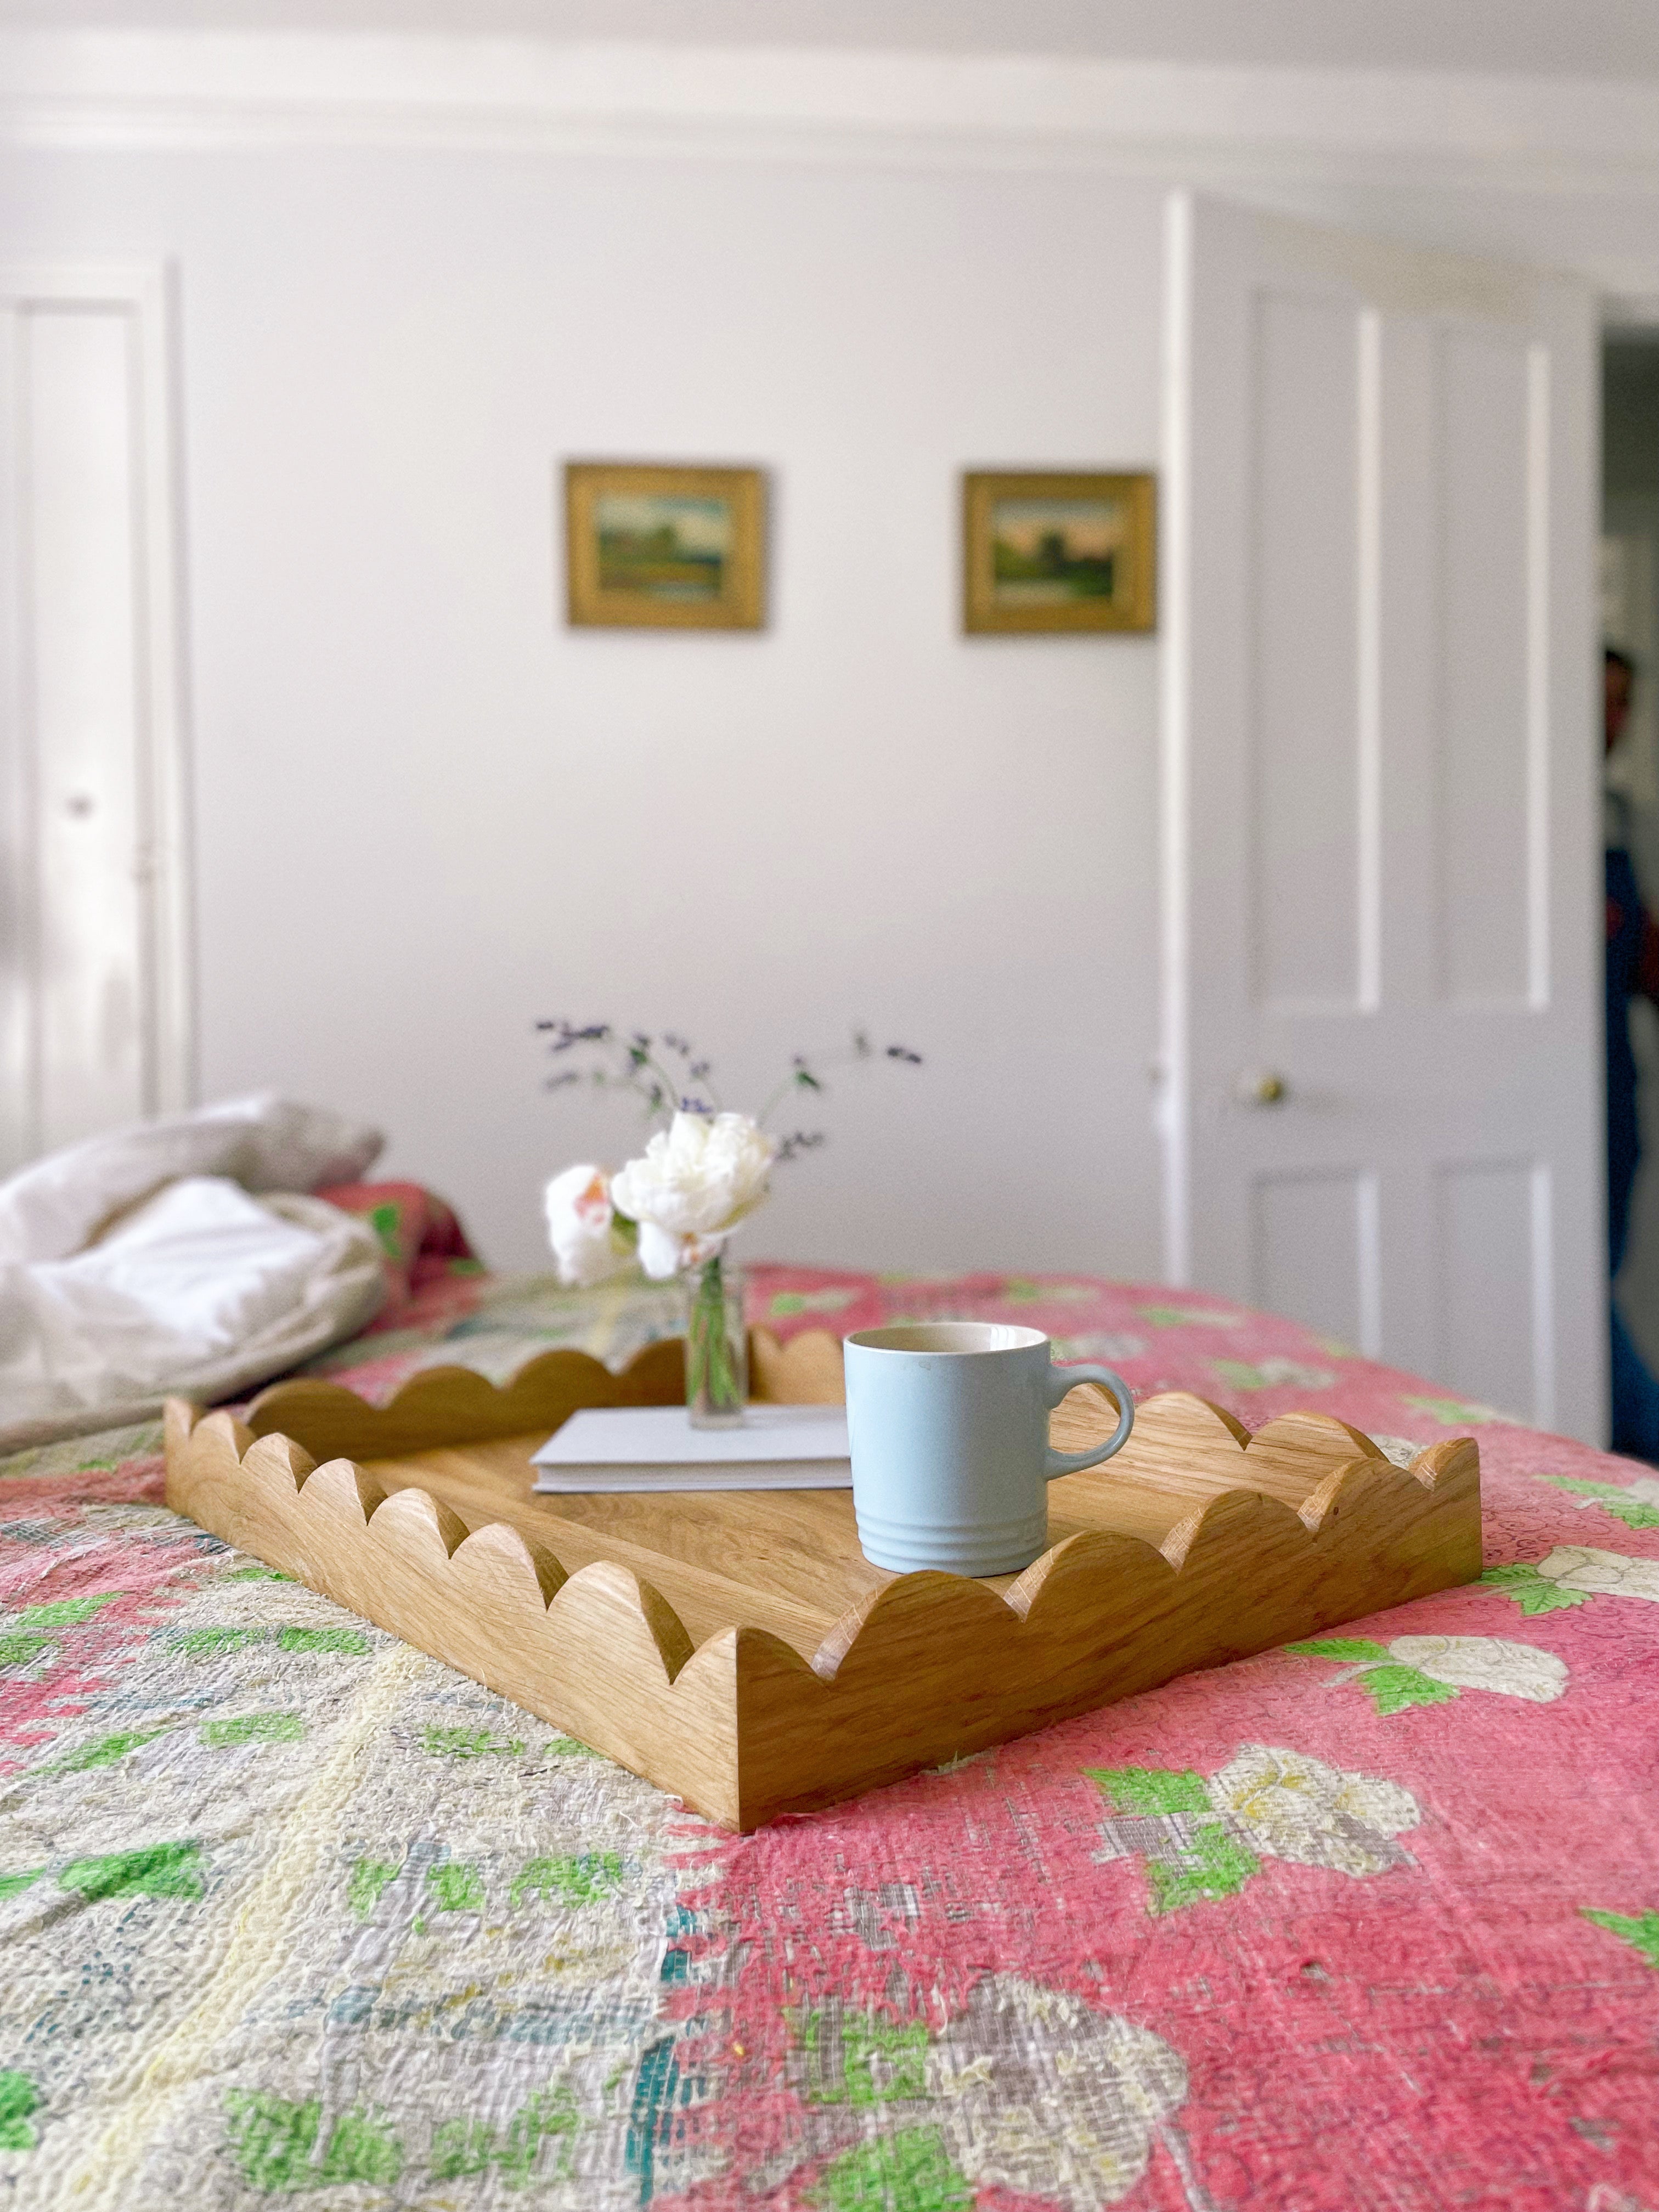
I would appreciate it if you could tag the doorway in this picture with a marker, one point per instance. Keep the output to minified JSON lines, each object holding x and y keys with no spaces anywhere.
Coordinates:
{"x":95,"y":998}
{"x":1630,"y":622}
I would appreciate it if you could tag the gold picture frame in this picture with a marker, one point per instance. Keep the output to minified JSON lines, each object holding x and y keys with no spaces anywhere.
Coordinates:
{"x":656,"y":547}
{"x":1058,"y":550}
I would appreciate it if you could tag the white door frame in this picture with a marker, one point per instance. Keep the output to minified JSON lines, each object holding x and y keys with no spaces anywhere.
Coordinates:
{"x":144,"y":294}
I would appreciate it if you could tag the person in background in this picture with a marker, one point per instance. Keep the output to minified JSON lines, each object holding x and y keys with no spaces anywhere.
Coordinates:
{"x":1632,"y":970}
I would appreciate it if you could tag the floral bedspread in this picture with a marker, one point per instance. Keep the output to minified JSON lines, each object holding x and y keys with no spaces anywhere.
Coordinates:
{"x":1367,"y":1924}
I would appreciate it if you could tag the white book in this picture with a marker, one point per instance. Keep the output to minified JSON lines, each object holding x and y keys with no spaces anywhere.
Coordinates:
{"x":656,"y":1448}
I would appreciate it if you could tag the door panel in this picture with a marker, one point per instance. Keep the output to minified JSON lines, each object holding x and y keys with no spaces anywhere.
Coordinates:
{"x":1315,"y":1240}
{"x":1488,"y":1222}
{"x":95,"y":1008}
{"x":1381,"y":816}
{"x":1485,"y":456}
{"x":1304,"y":799}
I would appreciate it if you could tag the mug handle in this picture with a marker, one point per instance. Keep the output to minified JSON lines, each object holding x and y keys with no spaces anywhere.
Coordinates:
{"x":1063,"y":1379}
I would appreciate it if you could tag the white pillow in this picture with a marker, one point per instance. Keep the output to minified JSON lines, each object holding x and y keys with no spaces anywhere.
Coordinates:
{"x":57,"y":1205}
{"x":203,"y":1291}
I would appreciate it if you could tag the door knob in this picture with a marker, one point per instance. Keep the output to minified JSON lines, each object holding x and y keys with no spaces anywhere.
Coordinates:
{"x":1262,"y":1087}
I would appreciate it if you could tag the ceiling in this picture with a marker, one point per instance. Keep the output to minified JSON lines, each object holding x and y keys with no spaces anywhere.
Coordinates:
{"x":1533,"y":38}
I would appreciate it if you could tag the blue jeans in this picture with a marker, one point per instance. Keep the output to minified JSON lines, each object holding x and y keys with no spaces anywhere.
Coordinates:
{"x":1635,"y":1398}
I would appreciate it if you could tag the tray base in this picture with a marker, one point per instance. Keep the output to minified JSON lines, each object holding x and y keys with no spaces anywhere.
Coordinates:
{"x":737,"y":1649}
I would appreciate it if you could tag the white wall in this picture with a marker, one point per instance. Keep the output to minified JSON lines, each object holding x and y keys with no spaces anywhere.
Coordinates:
{"x":427,"y":812}
{"x":415,"y":275}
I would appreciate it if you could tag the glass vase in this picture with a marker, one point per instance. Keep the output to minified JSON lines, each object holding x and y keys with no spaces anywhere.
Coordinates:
{"x":716,"y":1348}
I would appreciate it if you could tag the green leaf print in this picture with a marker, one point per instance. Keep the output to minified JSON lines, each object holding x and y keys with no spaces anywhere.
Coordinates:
{"x":385,"y":1220}
{"x":104,"y":1752}
{"x":566,"y":1747}
{"x":1612,"y":1499}
{"x":14,"y":1885}
{"x":360,"y":2150}
{"x":458,"y":1888}
{"x":1640,"y":1930}
{"x":1393,"y":1687}
{"x":1223,"y":1868}
{"x":158,"y":1870}
{"x":350,"y":1641}
{"x":208,"y":1643}
{"x":461,"y":2147}
{"x":1241,"y":1375}
{"x":467,"y":1743}
{"x":1152,"y":1789}
{"x":18,"y":2098}
{"x":66,"y":1611}
{"x":19,"y":1650}
{"x":879,"y":2061}
{"x":1533,"y":1592}
{"x":1340,"y":1647}
{"x":1188,"y":1317}
{"x":367,"y":1879}
{"x":578,"y":1879}
{"x":1455,"y":1413}
{"x":272,"y":2138}
{"x":253,"y":1728}
{"x":909,"y":2171}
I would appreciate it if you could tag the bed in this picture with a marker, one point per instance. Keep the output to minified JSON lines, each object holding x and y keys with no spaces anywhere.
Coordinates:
{"x":288,"y":1910}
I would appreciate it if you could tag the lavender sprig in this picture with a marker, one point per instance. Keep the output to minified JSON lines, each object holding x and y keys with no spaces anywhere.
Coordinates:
{"x":635,"y":1061}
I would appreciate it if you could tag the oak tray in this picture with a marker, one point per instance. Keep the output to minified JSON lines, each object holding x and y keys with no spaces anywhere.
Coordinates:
{"x":735,"y":1647}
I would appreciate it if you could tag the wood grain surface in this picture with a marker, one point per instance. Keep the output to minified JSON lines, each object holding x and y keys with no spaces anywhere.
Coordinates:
{"x":737,"y":1649}
{"x":456,"y":1405}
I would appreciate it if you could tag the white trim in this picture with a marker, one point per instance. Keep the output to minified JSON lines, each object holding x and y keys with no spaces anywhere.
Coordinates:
{"x":144,"y":291}
{"x":1540,"y":889}
{"x":182,"y":88}
{"x":1175,"y":680}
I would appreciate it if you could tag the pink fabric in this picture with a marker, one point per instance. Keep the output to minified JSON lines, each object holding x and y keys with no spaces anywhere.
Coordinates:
{"x":1370,"y":1925}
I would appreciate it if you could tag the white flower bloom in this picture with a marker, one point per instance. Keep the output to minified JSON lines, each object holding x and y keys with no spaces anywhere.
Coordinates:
{"x":581,"y":1226}
{"x":663,"y":1254}
{"x":1484,"y":1663}
{"x":1616,"y":1574}
{"x":697,"y":1181}
{"x":1080,"y":2131}
{"x":1288,"y":1806}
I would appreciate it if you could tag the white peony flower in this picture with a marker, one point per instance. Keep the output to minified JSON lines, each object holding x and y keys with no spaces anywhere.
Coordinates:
{"x":663,"y":1254}
{"x":1080,"y":2131}
{"x":697,"y":1181}
{"x":582,"y":1228}
{"x":1288,"y":1806}
{"x":1484,"y":1663}
{"x":1616,"y":1574}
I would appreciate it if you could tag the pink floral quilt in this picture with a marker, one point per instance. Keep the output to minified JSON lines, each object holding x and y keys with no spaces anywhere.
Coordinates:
{"x":1367,"y":1924}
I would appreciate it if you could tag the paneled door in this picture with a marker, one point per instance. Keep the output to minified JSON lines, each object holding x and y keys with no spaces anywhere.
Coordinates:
{"x":94,"y":965}
{"x":1381,"y":1052}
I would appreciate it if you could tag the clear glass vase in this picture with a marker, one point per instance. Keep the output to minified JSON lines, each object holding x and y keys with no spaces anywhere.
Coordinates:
{"x":716,"y":1346}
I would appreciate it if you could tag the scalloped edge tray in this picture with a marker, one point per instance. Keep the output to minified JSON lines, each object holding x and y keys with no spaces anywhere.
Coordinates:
{"x":1199,"y":1544}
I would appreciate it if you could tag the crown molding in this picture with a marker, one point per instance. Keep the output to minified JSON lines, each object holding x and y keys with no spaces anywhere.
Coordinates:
{"x":98,"y":89}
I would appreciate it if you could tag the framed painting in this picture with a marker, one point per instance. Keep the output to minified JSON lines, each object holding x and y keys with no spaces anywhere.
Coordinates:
{"x":1047,"y":550}
{"x":660,"y":547}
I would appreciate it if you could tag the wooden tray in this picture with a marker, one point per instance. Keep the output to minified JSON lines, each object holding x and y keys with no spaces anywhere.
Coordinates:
{"x":735,"y":1647}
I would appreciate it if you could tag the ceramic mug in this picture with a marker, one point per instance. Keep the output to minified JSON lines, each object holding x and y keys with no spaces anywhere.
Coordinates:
{"x":948,"y":1426}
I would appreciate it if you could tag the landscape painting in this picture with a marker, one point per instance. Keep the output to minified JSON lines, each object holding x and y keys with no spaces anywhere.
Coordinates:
{"x":661,"y":547}
{"x":1047,"y":550}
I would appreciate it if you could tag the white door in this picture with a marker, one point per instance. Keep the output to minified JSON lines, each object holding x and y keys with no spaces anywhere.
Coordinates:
{"x":94,"y":984}
{"x":1383,"y":1048}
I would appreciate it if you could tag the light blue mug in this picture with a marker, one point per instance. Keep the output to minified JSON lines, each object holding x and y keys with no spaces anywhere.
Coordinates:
{"x":948,"y":1426}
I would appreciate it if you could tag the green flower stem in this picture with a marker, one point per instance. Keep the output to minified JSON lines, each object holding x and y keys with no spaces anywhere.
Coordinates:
{"x":712,"y":1377}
